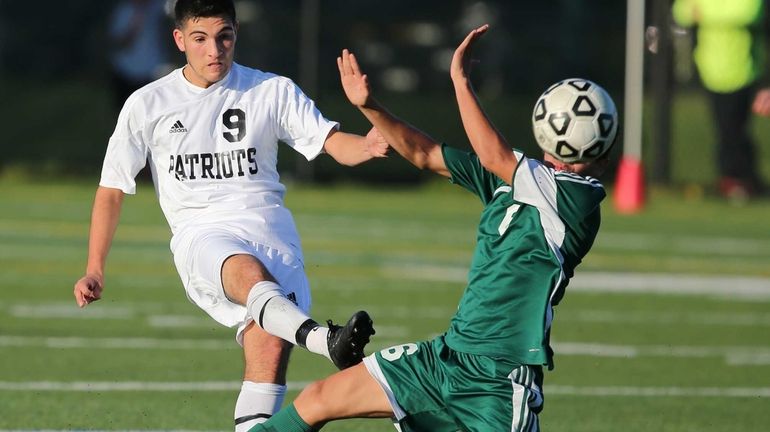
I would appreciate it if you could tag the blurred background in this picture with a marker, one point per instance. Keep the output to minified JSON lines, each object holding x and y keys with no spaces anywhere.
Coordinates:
{"x":668,"y":314}
{"x":58,"y":82}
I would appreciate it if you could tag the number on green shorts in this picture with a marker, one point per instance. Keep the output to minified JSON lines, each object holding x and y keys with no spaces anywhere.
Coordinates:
{"x":395,"y":352}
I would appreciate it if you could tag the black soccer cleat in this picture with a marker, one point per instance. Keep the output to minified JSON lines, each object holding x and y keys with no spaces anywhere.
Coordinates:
{"x":346,"y":344}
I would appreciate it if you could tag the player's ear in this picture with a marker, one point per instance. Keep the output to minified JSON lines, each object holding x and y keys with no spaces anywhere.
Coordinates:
{"x":179,"y":39}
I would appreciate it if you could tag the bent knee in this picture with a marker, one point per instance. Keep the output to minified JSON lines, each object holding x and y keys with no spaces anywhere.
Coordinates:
{"x":345,"y":394}
{"x":313,"y":391}
{"x":314,"y":404}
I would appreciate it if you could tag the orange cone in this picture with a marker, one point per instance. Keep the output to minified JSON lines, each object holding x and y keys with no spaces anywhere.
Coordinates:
{"x":629,"y":186}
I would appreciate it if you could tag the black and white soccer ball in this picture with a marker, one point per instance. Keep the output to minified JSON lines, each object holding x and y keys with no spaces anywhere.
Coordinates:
{"x":575,"y":120}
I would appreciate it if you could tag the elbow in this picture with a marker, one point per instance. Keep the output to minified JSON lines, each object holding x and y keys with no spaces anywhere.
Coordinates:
{"x":421,"y":160}
{"x":347,"y":163}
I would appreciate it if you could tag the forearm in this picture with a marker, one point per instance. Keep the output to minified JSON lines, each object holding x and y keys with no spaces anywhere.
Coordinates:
{"x":411,"y":143}
{"x":493,"y":151}
{"x":348,"y":149}
{"x":104,"y":222}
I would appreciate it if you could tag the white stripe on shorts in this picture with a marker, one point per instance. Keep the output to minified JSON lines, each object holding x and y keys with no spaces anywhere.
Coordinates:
{"x":373,"y":367}
{"x":523,"y":419}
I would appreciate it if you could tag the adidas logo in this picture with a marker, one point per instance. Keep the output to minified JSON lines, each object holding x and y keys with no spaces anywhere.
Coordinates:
{"x":293,"y":297}
{"x":178,"y":127}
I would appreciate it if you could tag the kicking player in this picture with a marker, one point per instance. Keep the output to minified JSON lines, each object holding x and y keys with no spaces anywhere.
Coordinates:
{"x":486,"y":372}
{"x":210,"y":131}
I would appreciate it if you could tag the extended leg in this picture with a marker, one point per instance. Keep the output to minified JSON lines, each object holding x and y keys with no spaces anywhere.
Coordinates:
{"x":267,"y":341}
{"x":346,"y":394}
{"x":248,"y":282}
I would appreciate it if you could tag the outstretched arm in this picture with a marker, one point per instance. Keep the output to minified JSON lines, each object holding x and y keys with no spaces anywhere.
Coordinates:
{"x":104,"y":221}
{"x":493,"y":151}
{"x":349,"y":149}
{"x":411,"y":143}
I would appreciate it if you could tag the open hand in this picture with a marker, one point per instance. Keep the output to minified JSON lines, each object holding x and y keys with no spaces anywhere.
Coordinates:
{"x":355,"y":84}
{"x":461,"y":60}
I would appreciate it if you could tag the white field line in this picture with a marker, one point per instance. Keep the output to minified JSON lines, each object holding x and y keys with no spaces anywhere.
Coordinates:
{"x":69,"y":310}
{"x":732,"y":355}
{"x":219,"y":386}
{"x":181,"y":321}
{"x":735,"y":319}
{"x":117,"y":343}
{"x":724,"y":287}
{"x":106,"y":430}
{"x":734,"y":288}
{"x":59,"y":310}
{"x":694,"y":245}
{"x":721,"y":392}
{"x":131,"y":310}
{"x":77,"y":342}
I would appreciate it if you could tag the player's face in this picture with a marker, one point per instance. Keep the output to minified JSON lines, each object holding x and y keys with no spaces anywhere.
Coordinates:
{"x":208,"y":44}
{"x":594,"y":168}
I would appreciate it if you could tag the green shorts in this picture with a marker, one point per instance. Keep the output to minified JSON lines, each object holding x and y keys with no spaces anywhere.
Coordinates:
{"x":434,"y":388}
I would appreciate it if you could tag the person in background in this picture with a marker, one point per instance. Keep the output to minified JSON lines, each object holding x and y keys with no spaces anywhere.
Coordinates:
{"x":729,"y":57}
{"x":138,"y":55}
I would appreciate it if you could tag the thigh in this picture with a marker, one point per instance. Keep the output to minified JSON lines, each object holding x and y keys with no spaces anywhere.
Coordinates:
{"x":351,"y":392}
{"x":289,"y":273}
{"x":283,"y":268}
{"x":494,"y":395}
{"x":413,"y":378}
{"x":263,"y":263}
{"x":199,"y":258}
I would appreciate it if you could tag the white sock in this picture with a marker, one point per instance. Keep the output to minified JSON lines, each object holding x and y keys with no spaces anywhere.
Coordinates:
{"x":279,"y":316}
{"x":256,"y":403}
{"x":316,"y":341}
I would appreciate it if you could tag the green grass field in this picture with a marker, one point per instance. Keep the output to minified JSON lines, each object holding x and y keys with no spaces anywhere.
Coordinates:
{"x":666,"y":326}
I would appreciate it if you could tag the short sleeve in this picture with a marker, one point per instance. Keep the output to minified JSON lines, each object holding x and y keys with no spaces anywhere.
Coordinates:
{"x":302,"y":126}
{"x":467,"y":171}
{"x":126,"y":151}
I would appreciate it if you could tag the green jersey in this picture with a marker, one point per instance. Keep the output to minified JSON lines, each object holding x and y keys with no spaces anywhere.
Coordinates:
{"x":530,"y":238}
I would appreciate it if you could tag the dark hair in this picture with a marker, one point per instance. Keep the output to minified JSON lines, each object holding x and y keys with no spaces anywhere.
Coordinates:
{"x":190,"y":9}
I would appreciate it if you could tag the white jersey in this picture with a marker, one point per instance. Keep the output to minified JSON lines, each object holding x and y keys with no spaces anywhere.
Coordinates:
{"x":213,"y":152}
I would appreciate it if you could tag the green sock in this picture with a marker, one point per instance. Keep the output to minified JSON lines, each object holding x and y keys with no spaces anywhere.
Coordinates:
{"x":285,"y":420}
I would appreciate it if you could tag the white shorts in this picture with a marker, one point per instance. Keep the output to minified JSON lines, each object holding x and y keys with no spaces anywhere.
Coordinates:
{"x":199,"y":258}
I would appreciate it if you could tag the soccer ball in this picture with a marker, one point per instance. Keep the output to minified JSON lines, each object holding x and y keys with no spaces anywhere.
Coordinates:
{"x":575,"y":120}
